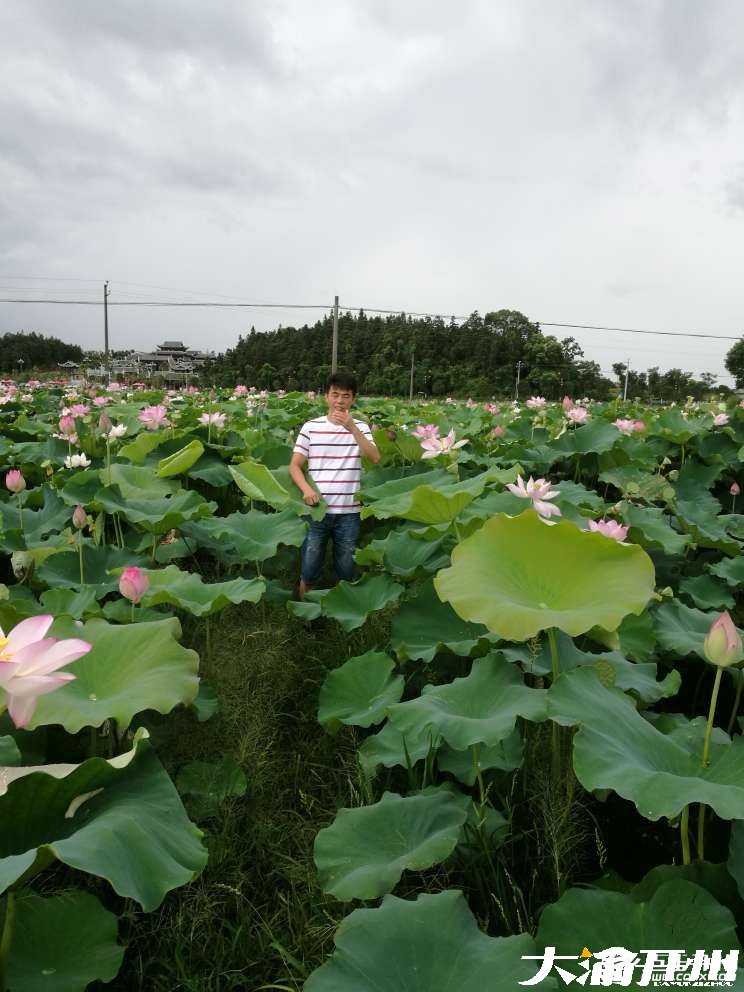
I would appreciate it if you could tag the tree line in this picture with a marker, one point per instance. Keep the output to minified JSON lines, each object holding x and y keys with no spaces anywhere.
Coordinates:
{"x":26,"y":352}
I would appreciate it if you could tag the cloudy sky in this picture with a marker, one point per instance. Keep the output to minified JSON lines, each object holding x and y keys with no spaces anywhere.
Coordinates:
{"x":579,"y":160}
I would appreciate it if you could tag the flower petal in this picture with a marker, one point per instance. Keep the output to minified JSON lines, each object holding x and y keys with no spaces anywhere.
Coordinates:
{"x":28,"y":631}
{"x":49,"y":656}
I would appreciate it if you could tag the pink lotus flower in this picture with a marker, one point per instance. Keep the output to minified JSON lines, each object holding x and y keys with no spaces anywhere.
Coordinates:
{"x":578,"y":414}
{"x":104,"y":423}
{"x":722,"y":646}
{"x":311,"y":394}
{"x":434,"y":446}
{"x":491,"y":408}
{"x":536,"y":402}
{"x":567,"y":403}
{"x":29,"y":664}
{"x":133,"y":584}
{"x":101,"y":400}
{"x":14,"y":481}
{"x":610,"y":528}
{"x":113,"y":387}
{"x":425,"y":431}
{"x":154,"y":417}
{"x":79,"y":409}
{"x":720,"y":420}
{"x":735,"y":489}
{"x":67,"y":426}
{"x":240,"y":390}
{"x":625,"y":426}
{"x":213,"y":419}
{"x":539,"y":491}
{"x":264,"y":393}
{"x":79,"y":517}
{"x":498,"y":431}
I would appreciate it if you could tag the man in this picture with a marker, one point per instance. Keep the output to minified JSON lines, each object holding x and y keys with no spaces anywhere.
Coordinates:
{"x":332,"y":447}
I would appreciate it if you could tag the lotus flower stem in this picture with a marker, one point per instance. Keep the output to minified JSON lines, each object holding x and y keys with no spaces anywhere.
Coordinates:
{"x":555,"y":665}
{"x":701,"y":832}
{"x":479,"y":775}
{"x":555,"y":662}
{"x":737,"y":700}
{"x":684,"y":829}
{"x":80,"y":552}
{"x":7,"y":938}
{"x":20,"y":511}
{"x":711,"y":714}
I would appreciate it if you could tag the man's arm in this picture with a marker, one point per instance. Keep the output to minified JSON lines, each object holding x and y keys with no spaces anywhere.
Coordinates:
{"x":296,"y":467}
{"x":368,"y":448}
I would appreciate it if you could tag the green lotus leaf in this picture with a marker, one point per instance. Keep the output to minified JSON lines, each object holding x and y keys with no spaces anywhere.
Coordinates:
{"x":708,"y":529}
{"x":364,"y":853}
{"x":616,"y":748}
{"x":159,"y":514}
{"x":74,"y":602}
{"x":679,"y":914}
{"x":210,"y":468}
{"x":136,"y":667}
{"x":81,"y":487}
{"x":37,"y":452}
{"x":257,"y":482}
{"x":295,"y":501}
{"x":520,"y":575}
{"x":208,"y":785}
{"x":136,"y":451}
{"x":180,"y":461}
{"x":187,"y":591}
{"x":424,"y":626}
{"x":350,"y":603}
{"x":428,"y":505}
{"x":391,"y":747}
{"x":735,"y":863}
{"x":404,"y":555}
{"x":136,"y":483}
{"x":481,"y":708}
{"x":430,"y":944}
{"x":672,"y":426}
{"x":391,"y":482}
{"x":359,"y":692}
{"x":121,"y":820}
{"x":47,"y":939}
{"x":53,"y":516}
{"x":651,"y":528}
{"x":714,"y":878}
{"x":680,"y":629}
{"x":63,"y":570}
{"x":206,"y":702}
{"x":597,"y":436}
{"x":505,"y":756}
{"x":706,"y":593}
{"x":637,"y":636}
{"x":9,"y":753}
{"x":253,"y":536}
{"x":731,"y":570}
{"x":694,"y":478}
{"x":636,"y":482}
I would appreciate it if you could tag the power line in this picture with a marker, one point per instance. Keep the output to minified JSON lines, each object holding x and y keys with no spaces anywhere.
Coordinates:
{"x":178,"y":303}
{"x":636,"y":330}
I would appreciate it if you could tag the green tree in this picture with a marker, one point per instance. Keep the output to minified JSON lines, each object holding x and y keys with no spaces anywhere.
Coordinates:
{"x":734,"y":362}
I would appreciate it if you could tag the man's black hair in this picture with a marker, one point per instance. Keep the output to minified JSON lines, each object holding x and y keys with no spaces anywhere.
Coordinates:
{"x":342,"y":380}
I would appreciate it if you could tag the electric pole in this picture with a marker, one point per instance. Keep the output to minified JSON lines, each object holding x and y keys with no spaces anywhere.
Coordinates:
{"x":625,"y":388}
{"x":413,"y":358}
{"x":334,"y":348}
{"x":516,"y":385}
{"x":106,"y":294}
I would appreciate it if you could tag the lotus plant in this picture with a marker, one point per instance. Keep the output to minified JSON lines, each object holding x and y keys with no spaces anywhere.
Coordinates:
{"x":154,"y":417}
{"x":15,"y":483}
{"x":434,"y":446}
{"x":536,"y":403}
{"x":210,"y":420}
{"x":609,"y":528}
{"x":578,"y":415}
{"x":735,"y":489}
{"x":133,"y":584}
{"x":425,"y":432}
{"x":720,"y":420}
{"x":30,"y":663}
{"x":79,"y":460}
{"x":629,"y":427}
{"x":539,"y":491}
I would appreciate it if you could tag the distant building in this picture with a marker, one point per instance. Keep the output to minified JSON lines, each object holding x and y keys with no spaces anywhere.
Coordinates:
{"x":68,"y":365}
{"x":170,"y":356}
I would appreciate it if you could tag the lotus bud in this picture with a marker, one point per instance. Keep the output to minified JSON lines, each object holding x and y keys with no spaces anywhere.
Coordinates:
{"x":735,"y":489}
{"x":67,"y":425}
{"x":79,"y":517}
{"x":14,"y":481}
{"x":104,"y":423}
{"x":133,"y":584}
{"x":722,"y":645}
{"x":391,"y":435}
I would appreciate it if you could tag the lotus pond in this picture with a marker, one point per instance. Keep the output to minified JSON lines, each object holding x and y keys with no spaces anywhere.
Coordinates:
{"x":533,"y":688}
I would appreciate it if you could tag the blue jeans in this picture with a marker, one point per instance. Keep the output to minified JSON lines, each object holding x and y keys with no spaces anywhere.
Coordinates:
{"x":344,"y":527}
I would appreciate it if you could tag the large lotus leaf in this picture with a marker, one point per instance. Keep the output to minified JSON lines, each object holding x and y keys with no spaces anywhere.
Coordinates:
{"x":405,"y":555}
{"x":295,"y":501}
{"x":391,"y":747}
{"x":519,"y":575}
{"x":597,"y":436}
{"x":678,"y":915}
{"x":706,"y":593}
{"x":53,"y":516}
{"x":673,"y":426}
{"x":121,"y":820}
{"x":637,"y":636}
{"x":650,"y":527}
{"x":390,"y":482}
{"x":363,"y":854}
{"x":74,"y":602}
{"x":431,"y":944}
{"x":504,"y":756}
{"x":208,"y":785}
{"x":157,"y":514}
{"x":714,"y":878}
{"x":680,"y":629}
{"x":180,"y":461}
{"x":708,"y":529}
{"x":211,"y":469}
{"x":428,"y":505}
{"x":136,"y":483}
{"x":63,"y":570}
{"x":350,"y":603}
{"x":257,"y":482}
{"x":255,"y":536}
{"x":635,"y":482}
{"x":616,"y":748}
{"x":47,"y":939}
{"x":424,"y":626}
{"x":37,"y":452}
{"x":187,"y":591}
{"x":136,"y":451}
{"x":731,"y":570}
{"x":136,"y":667}
{"x":694,"y":478}
{"x":481,"y":708}
{"x":359,"y":692}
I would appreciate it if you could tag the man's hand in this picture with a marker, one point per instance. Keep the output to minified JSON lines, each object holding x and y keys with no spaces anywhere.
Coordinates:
{"x":311,"y":497}
{"x":342,"y":418}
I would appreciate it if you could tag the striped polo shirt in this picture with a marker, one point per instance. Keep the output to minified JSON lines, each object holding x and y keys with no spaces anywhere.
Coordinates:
{"x":334,"y":462}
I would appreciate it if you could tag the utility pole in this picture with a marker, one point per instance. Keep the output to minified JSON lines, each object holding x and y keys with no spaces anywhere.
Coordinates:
{"x":106,"y":294}
{"x":334,"y":348}
{"x":413,"y":358}
{"x":627,"y":373}
{"x":516,"y":385}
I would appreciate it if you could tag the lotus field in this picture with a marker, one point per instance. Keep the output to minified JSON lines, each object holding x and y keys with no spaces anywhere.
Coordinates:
{"x":547,"y":718}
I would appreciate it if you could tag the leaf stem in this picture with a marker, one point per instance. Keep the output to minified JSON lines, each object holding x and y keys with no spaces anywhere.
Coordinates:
{"x":701,"y":832}
{"x":711,"y":714}
{"x":684,"y":829}
{"x":80,"y":552}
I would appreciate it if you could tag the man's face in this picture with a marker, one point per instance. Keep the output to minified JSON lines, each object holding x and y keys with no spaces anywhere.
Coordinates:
{"x":339,"y":400}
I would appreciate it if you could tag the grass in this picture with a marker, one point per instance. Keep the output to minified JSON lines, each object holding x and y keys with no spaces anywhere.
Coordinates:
{"x":255,"y":918}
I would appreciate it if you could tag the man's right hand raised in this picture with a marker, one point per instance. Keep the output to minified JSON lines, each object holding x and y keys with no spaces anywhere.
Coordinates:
{"x":311,"y":497}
